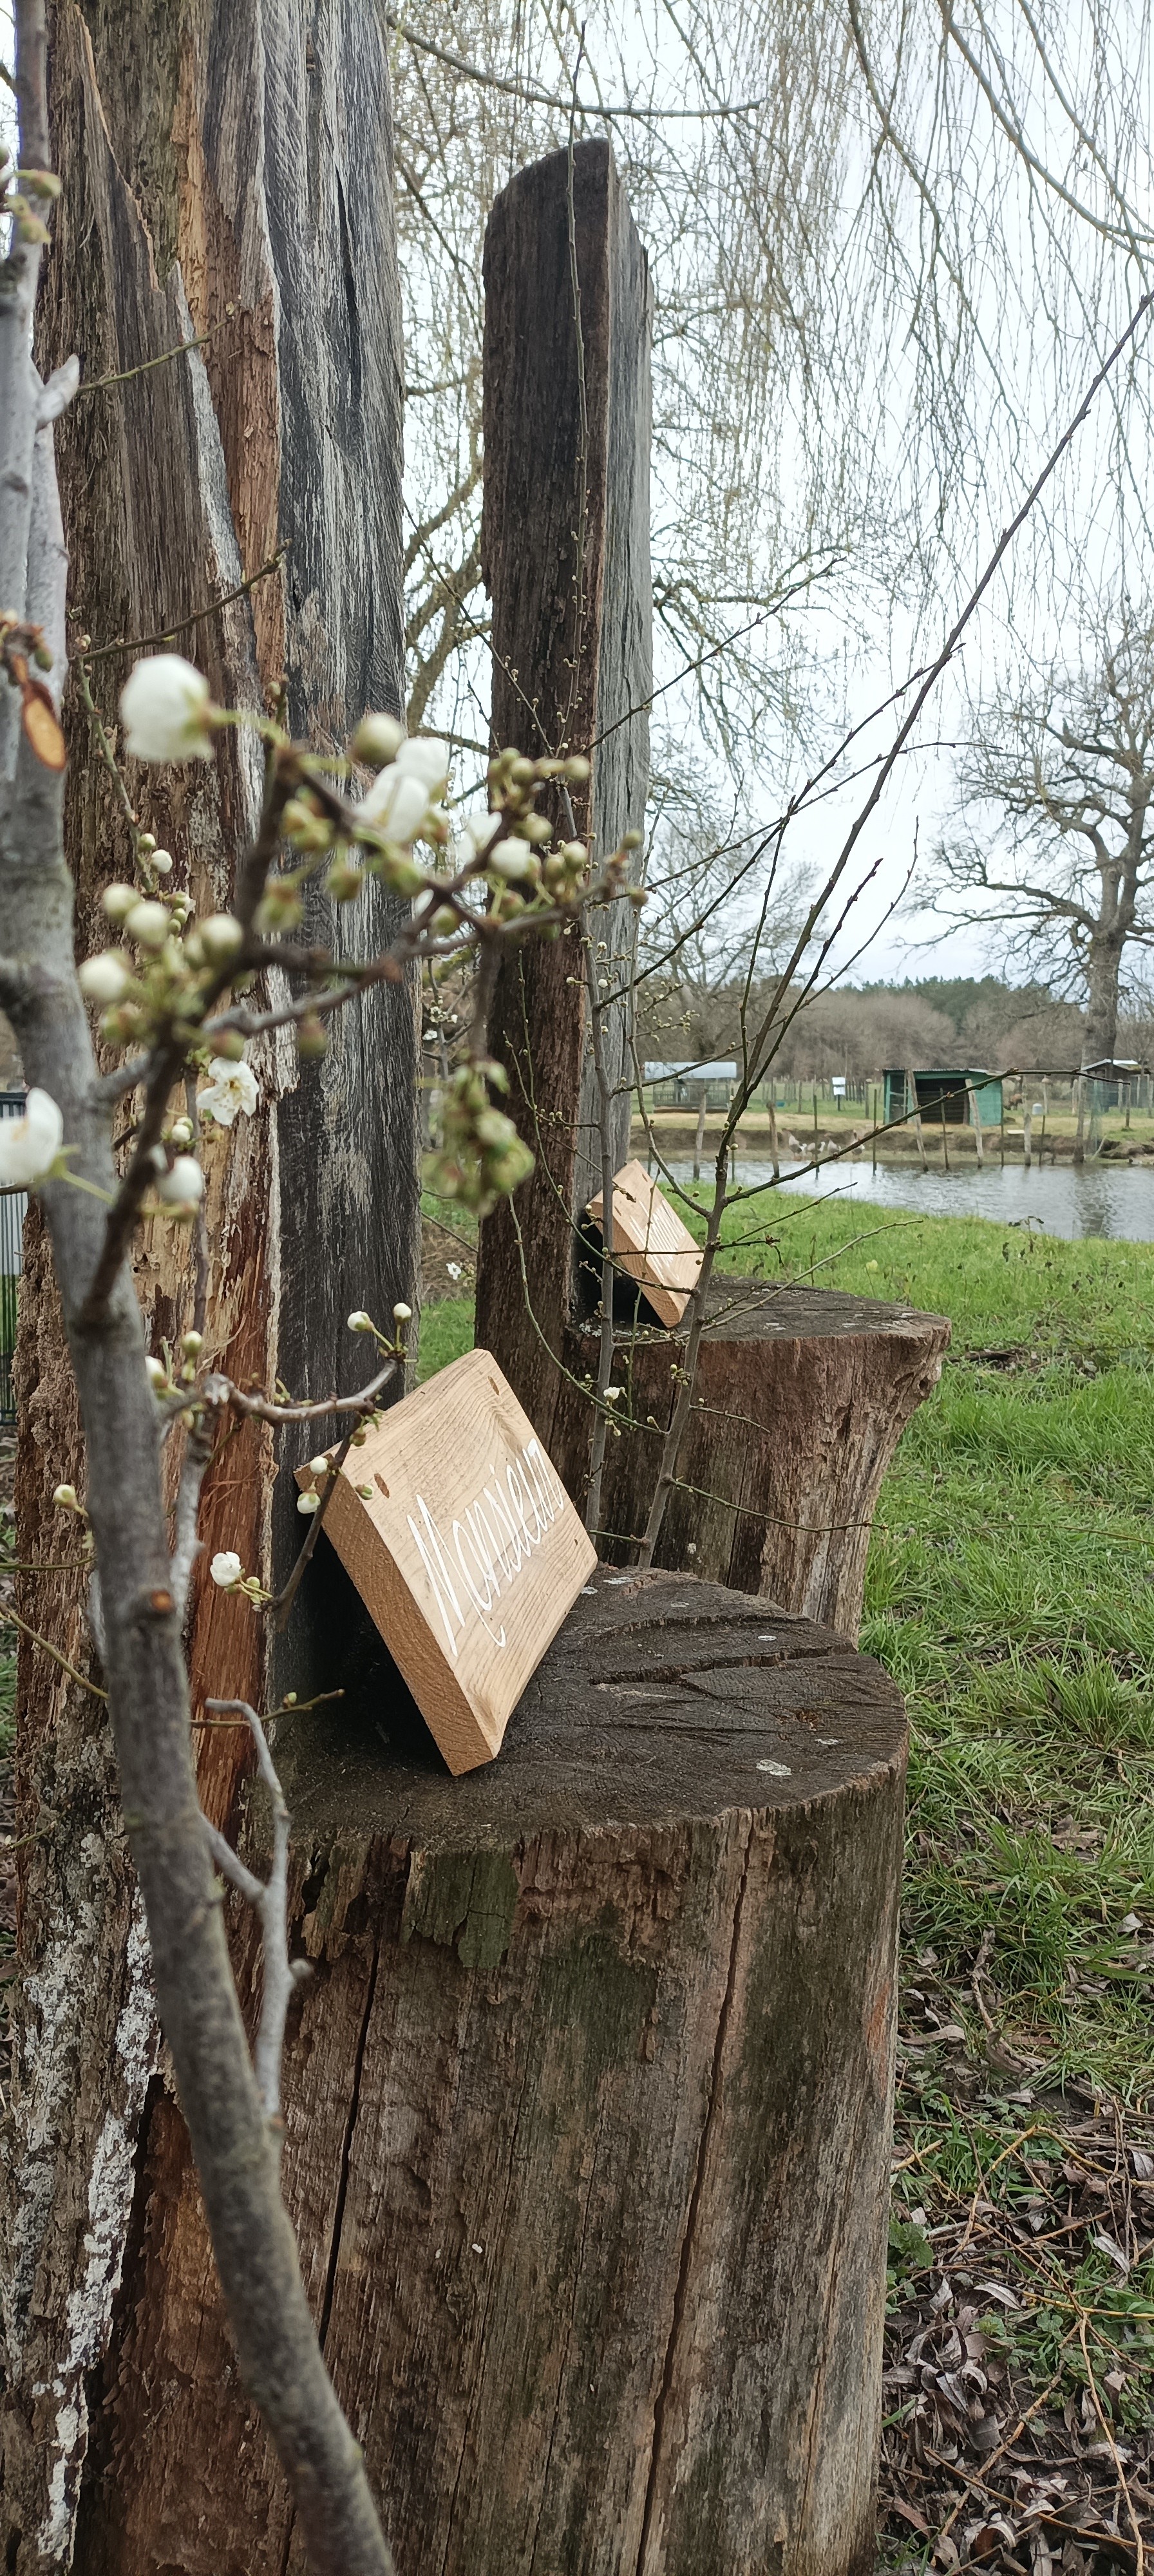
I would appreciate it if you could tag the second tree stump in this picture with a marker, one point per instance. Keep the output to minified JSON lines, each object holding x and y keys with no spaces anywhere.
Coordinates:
{"x":801,"y":1397}
{"x":588,"y":2128}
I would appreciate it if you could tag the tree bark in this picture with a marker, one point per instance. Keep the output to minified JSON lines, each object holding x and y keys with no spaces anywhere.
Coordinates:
{"x":1104,"y":967}
{"x":225,"y":174}
{"x":589,"y":2127}
{"x":800,"y":1400}
{"x":566,"y":558}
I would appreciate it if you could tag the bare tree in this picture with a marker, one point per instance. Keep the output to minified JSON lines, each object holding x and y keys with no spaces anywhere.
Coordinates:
{"x":1058,"y":783}
{"x":825,"y":196}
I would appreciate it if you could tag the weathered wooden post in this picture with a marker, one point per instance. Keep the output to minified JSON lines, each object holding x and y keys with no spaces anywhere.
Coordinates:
{"x":566,"y":555}
{"x":260,"y":471}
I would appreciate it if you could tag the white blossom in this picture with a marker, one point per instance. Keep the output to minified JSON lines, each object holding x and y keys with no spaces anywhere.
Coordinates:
{"x":105,"y":978}
{"x":220,"y":936}
{"x":424,"y":758}
{"x":183,"y":1185}
{"x":511,"y":858}
{"x":231,"y":1088}
{"x":166,"y":710}
{"x":226,"y":1569}
{"x":118,"y":900}
{"x":29,"y":1145}
{"x":149,"y":924}
{"x":395,"y":805}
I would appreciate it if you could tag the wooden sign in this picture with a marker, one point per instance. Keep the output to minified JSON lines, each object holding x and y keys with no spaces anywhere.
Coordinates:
{"x":464,"y":1547}
{"x":651,"y":1242}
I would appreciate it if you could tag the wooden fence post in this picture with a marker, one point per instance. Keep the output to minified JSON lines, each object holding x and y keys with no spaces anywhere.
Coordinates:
{"x":566,"y":557}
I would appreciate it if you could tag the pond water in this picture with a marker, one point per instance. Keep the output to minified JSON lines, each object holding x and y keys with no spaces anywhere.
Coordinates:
{"x":1098,"y":1200}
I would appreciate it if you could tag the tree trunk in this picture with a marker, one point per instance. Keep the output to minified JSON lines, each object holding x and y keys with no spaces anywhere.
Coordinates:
{"x":1104,"y":967}
{"x":566,"y":558}
{"x":225,"y":175}
{"x":588,"y":2127}
{"x":800,"y":1399}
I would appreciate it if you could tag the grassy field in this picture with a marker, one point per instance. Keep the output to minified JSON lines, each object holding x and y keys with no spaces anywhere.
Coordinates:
{"x":1011,"y":1593}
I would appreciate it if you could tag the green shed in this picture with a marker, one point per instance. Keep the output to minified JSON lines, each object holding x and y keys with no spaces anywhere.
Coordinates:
{"x":965,"y":1095}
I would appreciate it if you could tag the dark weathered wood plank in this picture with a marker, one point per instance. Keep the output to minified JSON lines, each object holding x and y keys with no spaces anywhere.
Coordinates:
{"x":566,"y":559}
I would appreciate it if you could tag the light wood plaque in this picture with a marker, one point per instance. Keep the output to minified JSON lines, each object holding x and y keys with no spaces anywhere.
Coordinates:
{"x":464,"y":1547}
{"x":651,"y":1242}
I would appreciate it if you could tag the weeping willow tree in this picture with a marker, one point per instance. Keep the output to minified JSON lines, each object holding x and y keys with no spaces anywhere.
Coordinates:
{"x":889,"y":239}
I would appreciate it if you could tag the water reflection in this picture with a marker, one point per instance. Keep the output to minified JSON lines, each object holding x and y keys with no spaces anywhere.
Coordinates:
{"x":1097,"y":1200}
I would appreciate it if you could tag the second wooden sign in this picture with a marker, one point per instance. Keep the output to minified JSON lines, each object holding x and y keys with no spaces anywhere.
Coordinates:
{"x":465,"y":1549}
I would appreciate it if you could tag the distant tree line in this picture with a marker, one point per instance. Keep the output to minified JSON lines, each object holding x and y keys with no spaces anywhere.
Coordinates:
{"x":972,"y":1020}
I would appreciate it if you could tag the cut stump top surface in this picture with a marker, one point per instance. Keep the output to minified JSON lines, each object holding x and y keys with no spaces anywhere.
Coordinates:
{"x":662,"y":1699}
{"x":741,"y":1310}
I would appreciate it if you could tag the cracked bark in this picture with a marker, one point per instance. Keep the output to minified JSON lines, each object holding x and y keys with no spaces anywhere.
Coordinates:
{"x":210,"y":159}
{"x":625,"y":2012}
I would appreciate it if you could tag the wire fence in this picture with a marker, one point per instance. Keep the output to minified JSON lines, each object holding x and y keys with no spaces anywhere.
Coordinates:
{"x":13,"y":1209}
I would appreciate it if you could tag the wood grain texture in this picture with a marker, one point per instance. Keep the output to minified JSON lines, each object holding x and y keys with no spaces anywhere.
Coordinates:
{"x":589,"y":2124}
{"x":213,"y":157}
{"x":800,"y":1400}
{"x":463,"y":1546}
{"x":651,"y":1242}
{"x":566,"y":557}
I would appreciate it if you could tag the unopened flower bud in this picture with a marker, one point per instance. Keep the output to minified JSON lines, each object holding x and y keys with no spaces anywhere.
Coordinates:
{"x":360,"y":1322}
{"x":576,"y":769}
{"x":167,"y":711}
{"x":148,"y":924}
{"x":511,"y":858}
{"x":183,"y":1186}
{"x":318,"y":1466}
{"x":156,"y":1372}
{"x":65,"y":1498}
{"x":105,"y":979}
{"x":146,"y":843}
{"x":304,"y":826}
{"x":377,"y":739}
{"x":117,"y":900}
{"x":220,"y":937}
{"x":161,"y":861}
{"x":308,"y":1504}
{"x":180,"y":1132}
{"x":191,"y":1345}
{"x":402,"y":1314}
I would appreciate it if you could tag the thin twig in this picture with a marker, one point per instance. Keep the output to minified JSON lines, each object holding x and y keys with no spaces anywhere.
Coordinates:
{"x":270,"y":1900}
{"x":54,"y":1651}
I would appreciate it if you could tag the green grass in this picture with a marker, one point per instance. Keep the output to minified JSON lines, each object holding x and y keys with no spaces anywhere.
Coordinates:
{"x":1010,"y":1591}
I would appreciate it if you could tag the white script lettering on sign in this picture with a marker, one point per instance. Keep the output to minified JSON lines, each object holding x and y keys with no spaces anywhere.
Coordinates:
{"x":464,"y":1547}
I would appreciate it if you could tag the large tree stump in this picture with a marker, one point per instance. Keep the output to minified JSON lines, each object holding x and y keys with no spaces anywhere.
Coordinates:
{"x":588,"y":2127}
{"x":800,"y":1399}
